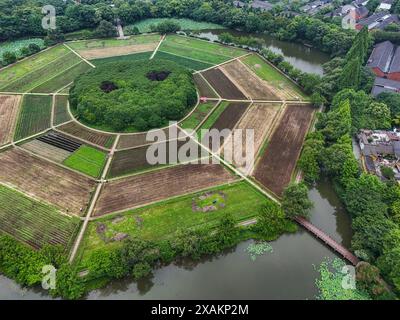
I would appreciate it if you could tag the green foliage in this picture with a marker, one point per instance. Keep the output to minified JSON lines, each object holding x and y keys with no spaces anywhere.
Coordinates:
{"x":310,"y":158}
{"x":145,"y":104}
{"x":164,"y":27}
{"x":387,"y":172}
{"x":295,"y":201}
{"x":271,"y":221}
{"x":330,"y":283}
{"x":392,"y":100}
{"x":9,"y":57}
{"x":87,"y":160}
{"x":258,"y":249}
{"x":337,"y":123}
{"x":247,"y":41}
{"x":105,"y":30}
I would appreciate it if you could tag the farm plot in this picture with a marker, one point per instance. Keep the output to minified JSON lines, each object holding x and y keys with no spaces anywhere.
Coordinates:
{"x":135,"y":160}
{"x":33,"y":222}
{"x":61,"y":113}
{"x":95,"y":49}
{"x":101,"y":139}
{"x":39,"y":76}
{"x":139,"y":139}
{"x":198,"y":115}
{"x":158,"y":185}
{"x":183,"y":61}
{"x":126,"y":58}
{"x":162,"y":220}
{"x":259,"y":118}
{"x":34,"y":117}
{"x":87,"y":160}
{"x":203,"y":87}
{"x":61,"y":80}
{"x":30,"y":65}
{"x":276,"y":165}
{"x":68,"y":191}
{"x":9,"y":106}
{"x":285,"y":88}
{"x":200,"y":50}
{"x":250,"y":84}
{"x":221,"y":83}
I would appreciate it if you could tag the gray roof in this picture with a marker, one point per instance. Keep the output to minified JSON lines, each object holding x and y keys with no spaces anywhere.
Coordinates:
{"x":385,"y":85}
{"x":381,"y":56}
{"x":379,"y":20}
{"x":263,"y":5}
{"x":395,"y":65}
{"x":362,"y":11}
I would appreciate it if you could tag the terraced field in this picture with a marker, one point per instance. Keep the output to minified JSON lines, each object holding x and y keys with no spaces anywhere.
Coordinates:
{"x":33,"y":222}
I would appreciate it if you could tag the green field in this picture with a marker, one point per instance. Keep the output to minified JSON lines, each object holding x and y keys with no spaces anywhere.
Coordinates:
{"x":16,"y":46}
{"x":162,"y":220}
{"x":200,"y":50}
{"x":30,"y":65}
{"x":61,"y":114}
{"x":185,"y":62}
{"x":125,"y":58}
{"x":109,"y":43}
{"x":40,"y":76}
{"x":65,"y":77}
{"x":33,"y":222}
{"x":270,"y":74}
{"x":34,"y":117}
{"x":197,"y":116}
{"x":186,"y":24}
{"x":87,"y":160}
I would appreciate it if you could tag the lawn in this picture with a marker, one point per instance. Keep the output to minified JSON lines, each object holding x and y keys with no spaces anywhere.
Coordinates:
{"x":65,"y":77}
{"x":125,"y":58}
{"x":30,"y":65}
{"x":32,"y":222}
{"x":34,"y":117}
{"x":87,"y":160}
{"x":270,"y":74}
{"x":184,"y":62}
{"x":110,"y":43}
{"x":162,"y":220}
{"x":201,"y":50}
{"x":197,"y":116}
{"x":186,"y":24}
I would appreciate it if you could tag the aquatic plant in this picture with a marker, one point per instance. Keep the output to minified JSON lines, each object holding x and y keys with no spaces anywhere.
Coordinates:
{"x":258,"y":248}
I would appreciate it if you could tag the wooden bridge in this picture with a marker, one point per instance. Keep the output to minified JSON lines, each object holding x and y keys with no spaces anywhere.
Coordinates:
{"x":345,"y":253}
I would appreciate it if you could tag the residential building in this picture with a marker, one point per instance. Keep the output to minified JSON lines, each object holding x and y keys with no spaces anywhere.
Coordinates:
{"x":385,"y":85}
{"x":379,"y":20}
{"x":385,"y":61}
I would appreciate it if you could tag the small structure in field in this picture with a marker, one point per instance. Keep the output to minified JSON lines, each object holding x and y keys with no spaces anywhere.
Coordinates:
{"x":209,"y":201}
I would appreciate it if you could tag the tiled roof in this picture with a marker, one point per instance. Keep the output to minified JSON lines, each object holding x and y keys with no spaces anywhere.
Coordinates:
{"x":395,"y":65}
{"x":385,"y":85}
{"x":381,"y":56}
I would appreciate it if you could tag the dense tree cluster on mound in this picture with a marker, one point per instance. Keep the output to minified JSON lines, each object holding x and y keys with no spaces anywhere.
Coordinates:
{"x":143,"y":95}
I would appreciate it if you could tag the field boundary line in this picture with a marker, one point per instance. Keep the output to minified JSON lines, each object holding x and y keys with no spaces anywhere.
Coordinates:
{"x":53,"y":162}
{"x":109,"y":160}
{"x":84,"y":59}
{"x":222,"y":63}
{"x":56,"y":75}
{"x":208,"y":115}
{"x":178,"y":46}
{"x":106,"y":215}
{"x":34,"y":70}
{"x":193,"y":109}
{"x":93,"y":202}
{"x":59,"y":90}
{"x":53,"y":106}
{"x":244,"y":177}
{"x":158,"y":46}
{"x":209,"y":84}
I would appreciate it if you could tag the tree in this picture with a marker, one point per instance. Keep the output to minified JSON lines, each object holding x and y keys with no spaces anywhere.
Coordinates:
{"x":317,"y":100}
{"x":68,"y":285}
{"x":295,"y":201}
{"x":387,"y":172}
{"x":338,"y":122}
{"x":9,"y":57}
{"x":105,"y":29}
{"x":377,"y":116}
{"x":270,"y":221}
{"x":165,"y":27}
{"x":310,"y":158}
{"x":227,"y":231}
{"x":392,"y":100}
{"x":351,"y":75}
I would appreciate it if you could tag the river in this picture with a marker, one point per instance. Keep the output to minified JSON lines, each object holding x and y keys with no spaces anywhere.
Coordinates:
{"x":300,"y":56}
{"x":286,"y":273}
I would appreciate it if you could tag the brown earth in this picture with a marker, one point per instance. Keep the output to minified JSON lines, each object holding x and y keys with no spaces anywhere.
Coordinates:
{"x":116,"y":51}
{"x":248,"y":82}
{"x":259,"y":118}
{"x":146,"y":188}
{"x":9,"y":107}
{"x":204,"y":88}
{"x":65,"y":189}
{"x":276,"y":165}
{"x":101,"y":139}
{"x":225,"y":88}
{"x":136,"y":140}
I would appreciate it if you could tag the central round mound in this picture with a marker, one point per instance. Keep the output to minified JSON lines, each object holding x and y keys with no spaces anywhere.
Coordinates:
{"x":133,"y":96}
